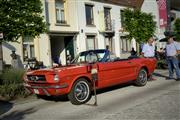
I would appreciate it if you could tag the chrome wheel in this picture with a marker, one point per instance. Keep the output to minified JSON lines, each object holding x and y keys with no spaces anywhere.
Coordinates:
{"x":81,"y":91}
{"x":142,"y":78}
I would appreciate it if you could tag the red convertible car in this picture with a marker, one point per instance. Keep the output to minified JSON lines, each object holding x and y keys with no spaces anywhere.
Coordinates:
{"x":76,"y":79}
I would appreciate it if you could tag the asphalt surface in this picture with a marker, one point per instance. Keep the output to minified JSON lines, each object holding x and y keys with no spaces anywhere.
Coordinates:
{"x":158,"y":100}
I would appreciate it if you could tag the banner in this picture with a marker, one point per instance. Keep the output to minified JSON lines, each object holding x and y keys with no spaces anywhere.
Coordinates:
{"x":162,"y":13}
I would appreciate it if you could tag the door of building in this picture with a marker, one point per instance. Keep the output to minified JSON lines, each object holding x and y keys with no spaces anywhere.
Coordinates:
{"x":69,"y":48}
{"x":109,"y":43}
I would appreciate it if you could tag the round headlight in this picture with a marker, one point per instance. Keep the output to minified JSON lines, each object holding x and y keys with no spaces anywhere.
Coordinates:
{"x":56,"y":78}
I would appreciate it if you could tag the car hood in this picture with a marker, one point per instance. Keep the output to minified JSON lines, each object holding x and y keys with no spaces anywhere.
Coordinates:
{"x":57,"y":69}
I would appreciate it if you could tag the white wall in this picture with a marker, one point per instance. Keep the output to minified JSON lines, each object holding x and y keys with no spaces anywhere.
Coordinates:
{"x":70,"y":11}
{"x":98,"y":7}
{"x":7,"y":50}
{"x":151,"y":6}
{"x":45,"y":49}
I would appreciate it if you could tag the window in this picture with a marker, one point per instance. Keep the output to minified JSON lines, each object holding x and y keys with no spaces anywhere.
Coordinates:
{"x":107,"y":18}
{"x":109,"y":43}
{"x":28,"y":48}
{"x":122,"y":18}
{"x":125,"y":44}
{"x":89,"y":15}
{"x":91,"y":42}
{"x":60,"y":15}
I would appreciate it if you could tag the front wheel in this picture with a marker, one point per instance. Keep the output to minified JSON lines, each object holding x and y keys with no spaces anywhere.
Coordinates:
{"x":80,"y":92}
{"x":142,"y":78}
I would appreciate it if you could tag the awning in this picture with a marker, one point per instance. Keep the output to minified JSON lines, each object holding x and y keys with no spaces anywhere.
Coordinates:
{"x":63,"y":33}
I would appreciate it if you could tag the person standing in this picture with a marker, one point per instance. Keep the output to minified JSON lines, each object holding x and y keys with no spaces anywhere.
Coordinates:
{"x":133,"y":52}
{"x":172,"y":50}
{"x":14,"y":61}
{"x":148,"y":51}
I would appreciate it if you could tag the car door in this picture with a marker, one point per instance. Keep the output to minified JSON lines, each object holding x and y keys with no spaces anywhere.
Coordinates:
{"x":114,"y":72}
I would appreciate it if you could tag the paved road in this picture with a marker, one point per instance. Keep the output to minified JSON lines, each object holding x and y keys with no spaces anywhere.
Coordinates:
{"x":158,"y":100}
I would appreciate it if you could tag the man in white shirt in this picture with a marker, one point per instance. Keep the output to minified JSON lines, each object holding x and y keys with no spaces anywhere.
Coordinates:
{"x":148,"y":49}
{"x":172,"y":49}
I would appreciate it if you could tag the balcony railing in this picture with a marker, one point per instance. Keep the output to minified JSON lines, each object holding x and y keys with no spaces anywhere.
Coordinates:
{"x":61,"y":21}
{"x":108,"y":26}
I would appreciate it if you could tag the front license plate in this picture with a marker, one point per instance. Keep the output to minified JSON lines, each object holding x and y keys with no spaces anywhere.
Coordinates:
{"x":36,"y":91}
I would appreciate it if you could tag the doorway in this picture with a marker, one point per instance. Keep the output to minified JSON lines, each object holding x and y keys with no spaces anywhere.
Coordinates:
{"x":109,"y":43}
{"x":69,"y":48}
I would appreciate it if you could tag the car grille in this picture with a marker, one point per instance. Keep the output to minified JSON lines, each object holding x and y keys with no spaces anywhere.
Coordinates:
{"x":36,"y":78}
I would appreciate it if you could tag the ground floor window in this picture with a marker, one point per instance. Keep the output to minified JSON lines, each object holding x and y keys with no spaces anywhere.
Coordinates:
{"x":28,"y":48}
{"x":125,"y":44}
{"x":109,"y":43}
{"x":91,"y":42}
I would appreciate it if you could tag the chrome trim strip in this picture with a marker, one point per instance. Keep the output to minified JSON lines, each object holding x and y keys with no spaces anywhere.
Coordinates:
{"x":44,"y":87}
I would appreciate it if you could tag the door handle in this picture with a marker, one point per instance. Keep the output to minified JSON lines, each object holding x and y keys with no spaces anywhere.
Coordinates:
{"x":129,"y":62}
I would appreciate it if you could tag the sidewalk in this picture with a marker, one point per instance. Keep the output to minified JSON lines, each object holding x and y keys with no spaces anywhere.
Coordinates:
{"x":7,"y":105}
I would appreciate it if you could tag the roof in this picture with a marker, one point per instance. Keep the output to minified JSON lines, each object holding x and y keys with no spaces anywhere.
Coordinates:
{"x":128,"y":3}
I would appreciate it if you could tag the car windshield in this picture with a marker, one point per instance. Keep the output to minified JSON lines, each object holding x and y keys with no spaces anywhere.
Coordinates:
{"x":90,"y":56}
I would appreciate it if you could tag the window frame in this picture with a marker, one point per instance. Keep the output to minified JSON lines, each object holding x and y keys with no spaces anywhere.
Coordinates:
{"x":29,"y":45}
{"x":95,"y":46}
{"x":125,"y":45}
{"x":92,"y":14}
{"x":107,"y":21}
{"x":60,"y":9}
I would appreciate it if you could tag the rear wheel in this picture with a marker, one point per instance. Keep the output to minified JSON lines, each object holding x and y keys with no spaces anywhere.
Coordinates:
{"x":142,"y":78}
{"x":80,"y":92}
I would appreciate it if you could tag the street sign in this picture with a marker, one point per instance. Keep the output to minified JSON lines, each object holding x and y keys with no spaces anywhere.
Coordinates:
{"x":1,"y":35}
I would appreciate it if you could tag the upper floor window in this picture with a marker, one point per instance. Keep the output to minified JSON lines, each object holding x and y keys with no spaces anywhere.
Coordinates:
{"x":89,"y":15}
{"x":28,"y":48}
{"x":107,"y":18}
{"x":60,"y":14}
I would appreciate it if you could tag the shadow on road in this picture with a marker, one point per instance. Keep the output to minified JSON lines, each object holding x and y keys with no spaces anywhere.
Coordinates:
{"x":5,"y":106}
{"x":109,"y":89}
{"x":62,"y":98}
{"x":17,"y":115}
{"x":159,"y":75}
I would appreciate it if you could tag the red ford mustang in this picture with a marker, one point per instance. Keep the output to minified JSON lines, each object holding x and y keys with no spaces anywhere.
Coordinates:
{"x":76,"y":79}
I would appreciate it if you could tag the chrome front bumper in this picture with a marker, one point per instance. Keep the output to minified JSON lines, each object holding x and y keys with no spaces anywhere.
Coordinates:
{"x":45,"y":87}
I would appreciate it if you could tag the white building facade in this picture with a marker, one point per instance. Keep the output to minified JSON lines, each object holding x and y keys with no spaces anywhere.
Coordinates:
{"x":74,"y":26}
{"x":78,"y":25}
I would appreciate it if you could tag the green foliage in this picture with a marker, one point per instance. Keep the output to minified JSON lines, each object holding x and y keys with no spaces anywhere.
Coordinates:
{"x":20,"y":18}
{"x":11,"y":83}
{"x":177,"y":29}
{"x":161,"y":64}
{"x":139,"y":25}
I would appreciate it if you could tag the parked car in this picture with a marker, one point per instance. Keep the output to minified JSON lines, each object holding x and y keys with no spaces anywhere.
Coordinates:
{"x":75,"y":80}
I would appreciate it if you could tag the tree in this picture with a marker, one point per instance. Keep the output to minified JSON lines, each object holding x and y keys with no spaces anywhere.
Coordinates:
{"x":140,"y":25}
{"x":20,"y":18}
{"x":177,"y":28}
